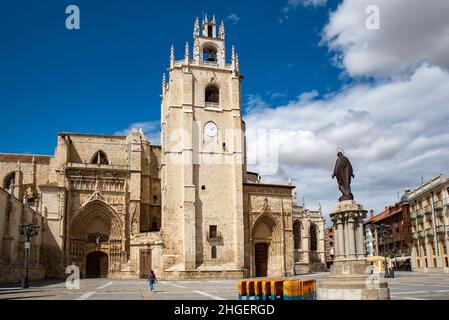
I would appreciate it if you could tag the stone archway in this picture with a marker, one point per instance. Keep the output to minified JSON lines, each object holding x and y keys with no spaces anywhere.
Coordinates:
{"x":267,"y":257}
{"x":96,"y":234}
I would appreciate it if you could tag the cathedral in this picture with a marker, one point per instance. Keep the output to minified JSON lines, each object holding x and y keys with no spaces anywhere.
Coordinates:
{"x":119,"y":206}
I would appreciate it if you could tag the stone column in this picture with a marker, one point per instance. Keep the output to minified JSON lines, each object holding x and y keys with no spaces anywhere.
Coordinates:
{"x":340,"y":239}
{"x":361,"y":254}
{"x":351,"y":254}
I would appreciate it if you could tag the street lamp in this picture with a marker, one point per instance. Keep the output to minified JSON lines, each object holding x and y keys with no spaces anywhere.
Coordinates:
{"x":27,"y":230}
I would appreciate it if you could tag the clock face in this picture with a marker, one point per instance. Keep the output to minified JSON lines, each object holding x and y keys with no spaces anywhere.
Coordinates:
{"x":210,"y":129}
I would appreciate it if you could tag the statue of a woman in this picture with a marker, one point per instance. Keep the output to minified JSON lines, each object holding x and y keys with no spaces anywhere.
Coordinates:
{"x":343,"y":172}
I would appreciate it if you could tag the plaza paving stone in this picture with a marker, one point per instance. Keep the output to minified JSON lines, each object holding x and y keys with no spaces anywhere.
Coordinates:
{"x":405,"y":286}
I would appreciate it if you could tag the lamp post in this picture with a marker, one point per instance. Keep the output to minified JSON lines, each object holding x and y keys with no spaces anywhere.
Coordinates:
{"x":28,"y":230}
{"x":395,"y":263}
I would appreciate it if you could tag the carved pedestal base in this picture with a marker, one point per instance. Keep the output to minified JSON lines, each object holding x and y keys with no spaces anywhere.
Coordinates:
{"x":353,"y":287}
{"x":351,"y":278}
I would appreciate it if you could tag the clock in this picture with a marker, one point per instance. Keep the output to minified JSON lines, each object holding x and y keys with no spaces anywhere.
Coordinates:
{"x":210,"y":129}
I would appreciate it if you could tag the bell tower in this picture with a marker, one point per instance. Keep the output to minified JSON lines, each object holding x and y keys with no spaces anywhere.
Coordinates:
{"x":202,"y":170}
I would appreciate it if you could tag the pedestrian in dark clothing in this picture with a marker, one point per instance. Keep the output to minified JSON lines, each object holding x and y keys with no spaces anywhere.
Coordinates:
{"x":152,"y":279}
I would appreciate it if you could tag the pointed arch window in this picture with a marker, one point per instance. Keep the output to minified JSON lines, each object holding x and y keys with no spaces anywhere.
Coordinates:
{"x":210,"y":54}
{"x":213,"y":252}
{"x":100,"y":158}
{"x":10,"y":182}
{"x":297,"y":235}
{"x":313,"y":238}
{"x":212,"y":96}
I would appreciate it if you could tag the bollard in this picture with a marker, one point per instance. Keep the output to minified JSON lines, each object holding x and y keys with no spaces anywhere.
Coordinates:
{"x":241,"y":287}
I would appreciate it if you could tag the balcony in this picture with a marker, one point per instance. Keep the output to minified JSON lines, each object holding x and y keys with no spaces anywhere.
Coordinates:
{"x":421,"y":234}
{"x":438,"y":205}
{"x":214,"y":237}
{"x":441,"y":229}
{"x":415,"y":236}
{"x":427,"y":211}
{"x":413,"y":215}
{"x":419,"y":213}
{"x":429,"y":232}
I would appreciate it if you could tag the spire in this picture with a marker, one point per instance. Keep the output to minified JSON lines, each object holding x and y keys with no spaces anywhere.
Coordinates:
{"x":213,"y":19}
{"x":222,"y":30}
{"x":187,"y":53}
{"x":205,"y":18}
{"x":196,"y":27}
{"x":172,"y":57}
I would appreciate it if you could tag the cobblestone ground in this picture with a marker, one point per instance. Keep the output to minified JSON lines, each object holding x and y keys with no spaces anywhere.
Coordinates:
{"x":405,"y":286}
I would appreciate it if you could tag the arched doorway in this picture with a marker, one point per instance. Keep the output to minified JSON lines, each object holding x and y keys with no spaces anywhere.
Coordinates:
{"x":95,"y":239}
{"x":261,"y":259}
{"x":266,"y":249}
{"x":97,"y":265}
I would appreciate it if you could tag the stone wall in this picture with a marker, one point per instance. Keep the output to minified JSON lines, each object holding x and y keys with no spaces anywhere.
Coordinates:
{"x":12,"y":247}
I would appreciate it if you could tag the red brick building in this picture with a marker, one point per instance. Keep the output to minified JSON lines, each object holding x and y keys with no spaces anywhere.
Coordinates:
{"x":397,"y":240}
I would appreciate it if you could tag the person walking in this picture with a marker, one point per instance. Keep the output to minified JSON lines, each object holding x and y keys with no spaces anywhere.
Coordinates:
{"x":152,"y":279}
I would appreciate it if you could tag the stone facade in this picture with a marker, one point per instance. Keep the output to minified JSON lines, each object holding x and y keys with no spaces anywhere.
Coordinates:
{"x":12,"y":245}
{"x":118,"y":206}
{"x":429,"y":215}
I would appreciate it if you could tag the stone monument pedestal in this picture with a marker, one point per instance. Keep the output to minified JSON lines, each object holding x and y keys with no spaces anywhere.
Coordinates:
{"x":351,"y":277}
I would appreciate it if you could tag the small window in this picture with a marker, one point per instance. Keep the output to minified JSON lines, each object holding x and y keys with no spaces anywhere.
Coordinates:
{"x":213,"y":232}
{"x":10,"y":181}
{"x":154,"y":198}
{"x":100,"y":158}
{"x":212,"y":95}
{"x":203,"y":187}
{"x":209,"y":31}
{"x":213,"y":252}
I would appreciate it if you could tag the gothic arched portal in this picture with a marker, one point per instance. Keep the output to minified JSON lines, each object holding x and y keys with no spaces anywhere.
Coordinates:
{"x":266,"y":248}
{"x":96,"y":227}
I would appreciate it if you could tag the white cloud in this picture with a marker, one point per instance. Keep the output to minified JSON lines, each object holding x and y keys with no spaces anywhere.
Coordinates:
{"x":150,"y":128}
{"x":234,"y":18}
{"x":411,"y":32}
{"x":394,"y":132}
{"x":293,"y":4}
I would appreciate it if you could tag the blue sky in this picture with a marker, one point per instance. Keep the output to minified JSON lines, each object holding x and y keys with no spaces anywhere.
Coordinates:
{"x":314,"y":72}
{"x":107,"y":75}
